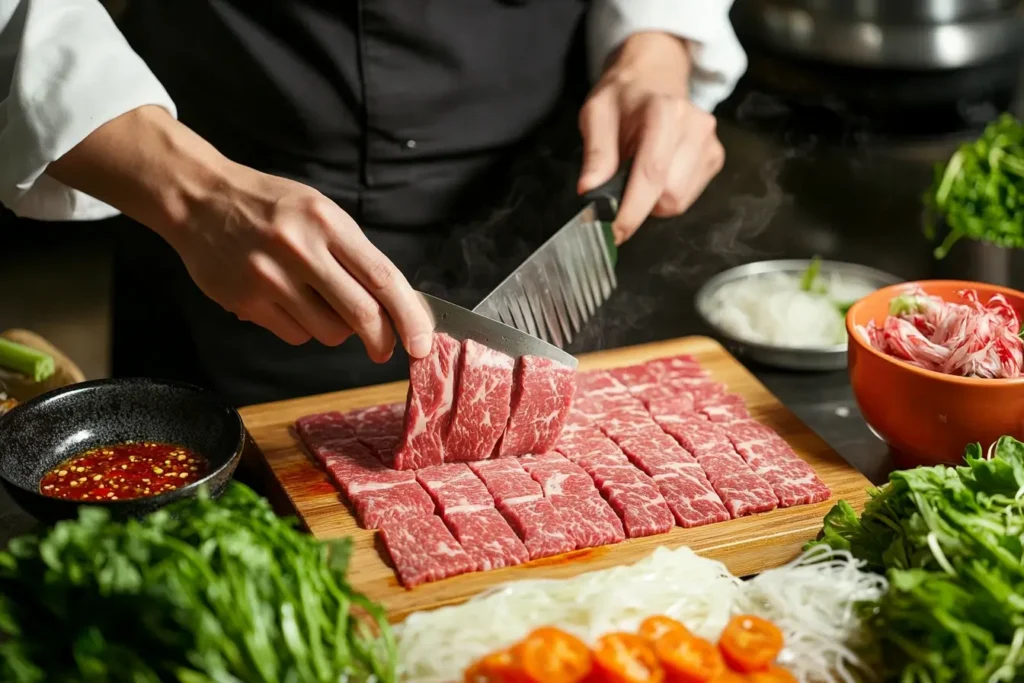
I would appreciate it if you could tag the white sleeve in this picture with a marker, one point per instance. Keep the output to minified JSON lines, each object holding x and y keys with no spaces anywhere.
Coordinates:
{"x":65,"y":70}
{"x":718,"y":58}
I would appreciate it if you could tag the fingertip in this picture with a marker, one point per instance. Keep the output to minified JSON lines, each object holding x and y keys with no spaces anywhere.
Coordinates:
{"x":419,"y":345}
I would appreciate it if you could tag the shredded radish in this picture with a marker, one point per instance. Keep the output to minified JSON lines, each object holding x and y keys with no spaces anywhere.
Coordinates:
{"x":969,"y":339}
{"x":774,"y":309}
{"x":811,"y":600}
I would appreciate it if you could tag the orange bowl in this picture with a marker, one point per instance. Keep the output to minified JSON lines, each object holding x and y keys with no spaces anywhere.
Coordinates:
{"x":928,"y":417}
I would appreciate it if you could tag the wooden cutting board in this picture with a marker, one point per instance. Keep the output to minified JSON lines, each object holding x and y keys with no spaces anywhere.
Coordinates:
{"x":747,"y":545}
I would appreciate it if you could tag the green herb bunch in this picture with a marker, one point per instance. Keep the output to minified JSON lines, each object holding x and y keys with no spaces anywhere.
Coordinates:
{"x":203,"y":591}
{"x":979,"y":193}
{"x":951,"y":543}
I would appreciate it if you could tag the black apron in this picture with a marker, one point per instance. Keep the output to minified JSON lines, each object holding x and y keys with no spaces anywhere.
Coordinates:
{"x":404,"y":112}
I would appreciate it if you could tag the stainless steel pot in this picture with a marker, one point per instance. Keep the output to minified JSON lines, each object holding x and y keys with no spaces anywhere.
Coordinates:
{"x":896,"y":34}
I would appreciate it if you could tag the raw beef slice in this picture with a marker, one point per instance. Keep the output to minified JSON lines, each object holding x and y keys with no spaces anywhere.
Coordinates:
{"x":428,"y":406}
{"x":378,"y":498}
{"x":482,"y":403}
{"x":793,"y":480}
{"x":454,"y":486}
{"x":313,"y":429}
{"x":541,"y":398}
{"x":507,"y":481}
{"x":422,"y":549}
{"x":540,"y":526}
{"x":487,"y":538}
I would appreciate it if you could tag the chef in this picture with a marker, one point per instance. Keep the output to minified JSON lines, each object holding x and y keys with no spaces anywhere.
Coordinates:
{"x":282,"y":166}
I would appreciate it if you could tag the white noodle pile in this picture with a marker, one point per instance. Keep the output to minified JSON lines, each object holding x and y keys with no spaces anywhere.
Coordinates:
{"x":810,"y":599}
{"x":437,"y":646}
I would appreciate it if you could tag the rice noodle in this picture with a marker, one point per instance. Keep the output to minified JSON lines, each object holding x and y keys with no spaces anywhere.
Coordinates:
{"x":811,"y":599}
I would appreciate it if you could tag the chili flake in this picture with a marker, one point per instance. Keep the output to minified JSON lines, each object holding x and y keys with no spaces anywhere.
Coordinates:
{"x":124,"y":471}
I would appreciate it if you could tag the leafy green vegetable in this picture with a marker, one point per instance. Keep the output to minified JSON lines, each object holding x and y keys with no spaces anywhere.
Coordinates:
{"x":979,"y":193}
{"x":951,"y":543}
{"x":201,"y":592}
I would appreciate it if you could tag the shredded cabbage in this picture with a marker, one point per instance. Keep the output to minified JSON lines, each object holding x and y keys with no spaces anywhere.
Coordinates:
{"x":811,"y":599}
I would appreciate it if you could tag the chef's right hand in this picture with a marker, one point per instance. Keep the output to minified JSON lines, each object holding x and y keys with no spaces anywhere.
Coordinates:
{"x":270,"y":250}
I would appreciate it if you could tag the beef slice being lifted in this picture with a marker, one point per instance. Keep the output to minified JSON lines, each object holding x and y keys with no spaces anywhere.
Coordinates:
{"x":541,"y":398}
{"x":428,"y":405}
{"x":482,"y":402}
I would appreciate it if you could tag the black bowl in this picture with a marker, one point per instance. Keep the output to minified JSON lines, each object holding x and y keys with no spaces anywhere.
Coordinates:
{"x":40,"y":434}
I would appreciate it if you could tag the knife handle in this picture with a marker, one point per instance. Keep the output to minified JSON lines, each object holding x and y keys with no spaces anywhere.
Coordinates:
{"x":612,"y":190}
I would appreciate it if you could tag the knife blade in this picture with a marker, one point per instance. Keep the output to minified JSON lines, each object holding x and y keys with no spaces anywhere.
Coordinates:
{"x":555,"y":291}
{"x":462,"y":324}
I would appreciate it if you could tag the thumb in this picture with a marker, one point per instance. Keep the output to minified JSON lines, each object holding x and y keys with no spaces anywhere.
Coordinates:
{"x":599,"y":126}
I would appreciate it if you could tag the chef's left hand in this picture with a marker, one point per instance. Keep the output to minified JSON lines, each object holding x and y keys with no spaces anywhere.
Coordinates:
{"x":641,"y":109}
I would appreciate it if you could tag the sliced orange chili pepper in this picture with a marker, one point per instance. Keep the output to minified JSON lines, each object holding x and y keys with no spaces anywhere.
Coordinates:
{"x":498,"y":667}
{"x":626,"y":658}
{"x":653,"y":628}
{"x":550,"y":655}
{"x":774,"y":674}
{"x":750,"y":643}
{"x":730,"y":676}
{"x":687,"y":658}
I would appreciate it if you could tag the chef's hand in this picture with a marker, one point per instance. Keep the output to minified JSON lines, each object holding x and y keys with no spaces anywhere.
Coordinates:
{"x":270,"y":250}
{"x":641,"y":109}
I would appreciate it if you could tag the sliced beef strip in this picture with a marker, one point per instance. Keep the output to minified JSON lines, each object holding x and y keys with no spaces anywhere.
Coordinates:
{"x":482,"y":403}
{"x":792,"y":479}
{"x":507,"y":481}
{"x":679,"y":477}
{"x":540,"y":526}
{"x":487,"y":538}
{"x":541,"y":397}
{"x":742,"y":491}
{"x":454,"y":486}
{"x":313,"y":429}
{"x":377,"y":503}
{"x":422,"y":550}
{"x":428,"y":406}
{"x":633,"y":495}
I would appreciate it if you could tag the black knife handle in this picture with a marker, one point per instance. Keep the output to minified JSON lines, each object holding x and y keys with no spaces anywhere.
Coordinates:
{"x":614,"y":188}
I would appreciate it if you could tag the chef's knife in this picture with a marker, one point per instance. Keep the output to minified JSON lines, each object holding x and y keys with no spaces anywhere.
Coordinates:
{"x":559,"y":287}
{"x":461,"y":324}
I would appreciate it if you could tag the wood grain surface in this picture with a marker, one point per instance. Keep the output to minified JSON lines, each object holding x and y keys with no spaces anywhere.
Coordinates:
{"x":747,"y":545}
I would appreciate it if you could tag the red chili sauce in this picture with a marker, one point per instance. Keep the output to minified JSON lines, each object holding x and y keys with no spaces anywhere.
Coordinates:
{"x":136,"y":469}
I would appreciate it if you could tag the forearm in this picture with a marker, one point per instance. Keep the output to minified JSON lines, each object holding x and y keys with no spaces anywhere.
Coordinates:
{"x":147,"y":165}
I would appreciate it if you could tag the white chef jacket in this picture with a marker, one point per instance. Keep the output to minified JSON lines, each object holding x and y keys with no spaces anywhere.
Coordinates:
{"x":65,"y":70}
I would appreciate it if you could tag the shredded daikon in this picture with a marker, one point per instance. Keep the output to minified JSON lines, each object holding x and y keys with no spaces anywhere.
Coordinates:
{"x":811,"y":599}
{"x":774,"y":309}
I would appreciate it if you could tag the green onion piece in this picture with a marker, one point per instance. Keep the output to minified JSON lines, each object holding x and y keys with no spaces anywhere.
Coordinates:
{"x":26,"y":361}
{"x":811,"y":274}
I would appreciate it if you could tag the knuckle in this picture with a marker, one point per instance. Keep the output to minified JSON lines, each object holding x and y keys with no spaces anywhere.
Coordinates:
{"x":366,"y":313}
{"x":671,"y":205}
{"x":654,"y":169}
{"x":716,"y":156}
{"x":707,"y":122}
{"x":381,"y":274}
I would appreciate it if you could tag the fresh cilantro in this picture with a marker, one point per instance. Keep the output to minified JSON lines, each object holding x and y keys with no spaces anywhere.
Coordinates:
{"x":951,"y":544}
{"x":201,"y":592}
{"x":979,"y":193}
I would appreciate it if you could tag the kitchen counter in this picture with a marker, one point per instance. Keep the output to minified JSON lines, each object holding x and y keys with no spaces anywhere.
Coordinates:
{"x":782,"y":194}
